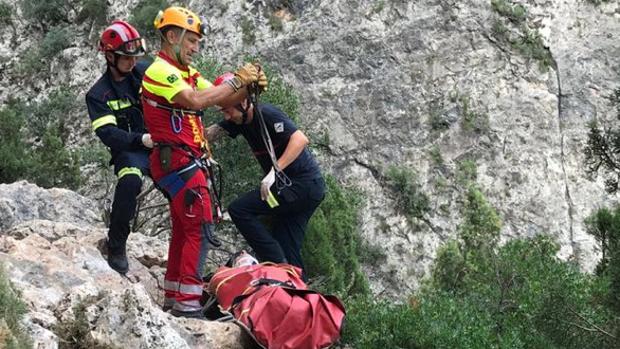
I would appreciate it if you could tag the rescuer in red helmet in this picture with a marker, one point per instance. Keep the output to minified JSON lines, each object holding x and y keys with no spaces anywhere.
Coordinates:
{"x":116,"y":114}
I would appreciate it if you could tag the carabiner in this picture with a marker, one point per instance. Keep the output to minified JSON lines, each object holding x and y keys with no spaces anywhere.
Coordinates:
{"x":176,"y":122}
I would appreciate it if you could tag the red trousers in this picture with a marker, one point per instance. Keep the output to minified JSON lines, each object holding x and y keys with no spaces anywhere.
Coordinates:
{"x":191,"y":215}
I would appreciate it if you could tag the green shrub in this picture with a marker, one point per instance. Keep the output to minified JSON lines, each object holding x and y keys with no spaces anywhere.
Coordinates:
{"x":50,"y":11}
{"x":275,"y":23}
{"x":438,"y":122}
{"x":74,"y":333}
{"x":379,"y":324}
{"x":56,"y":40}
{"x":472,"y":121}
{"x":530,"y":44}
{"x":449,"y":268}
{"x":6,"y":13}
{"x":94,"y":10}
{"x":410,"y":198}
{"x":48,"y":162}
{"x":54,"y":164}
{"x":598,"y":2}
{"x":95,"y":153}
{"x":378,"y":6}
{"x":601,"y":154}
{"x":14,"y":154}
{"x":51,"y":113}
{"x":516,"y":13}
{"x":522,"y":296}
{"x":481,"y":295}
{"x":143,"y":16}
{"x":12,"y":310}
{"x":466,"y":172}
{"x":527,"y":41}
{"x":436,"y":157}
{"x":481,"y":224}
{"x":604,"y":225}
{"x":332,"y":244}
{"x":248,"y":31}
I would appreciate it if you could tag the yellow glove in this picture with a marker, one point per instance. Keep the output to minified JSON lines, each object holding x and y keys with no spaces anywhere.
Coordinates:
{"x":262,"y":78}
{"x":245,"y":76}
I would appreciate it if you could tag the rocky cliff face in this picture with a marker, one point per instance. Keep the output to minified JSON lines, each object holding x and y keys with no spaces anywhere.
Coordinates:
{"x":423,"y":85}
{"x":56,"y":264}
{"x":377,"y":77}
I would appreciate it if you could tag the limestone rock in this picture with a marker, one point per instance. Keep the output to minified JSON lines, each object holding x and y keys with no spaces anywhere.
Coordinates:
{"x":62,"y":275}
{"x":23,"y":201}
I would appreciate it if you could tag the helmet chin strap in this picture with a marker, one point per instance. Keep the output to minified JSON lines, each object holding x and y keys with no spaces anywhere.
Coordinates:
{"x":244,"y":112}
{"x":177,"y":48}
{"x":114,"y":64}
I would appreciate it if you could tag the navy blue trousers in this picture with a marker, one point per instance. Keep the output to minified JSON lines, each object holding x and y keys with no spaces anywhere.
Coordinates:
{"x":129,"y":166}
{"x":289,"y":220}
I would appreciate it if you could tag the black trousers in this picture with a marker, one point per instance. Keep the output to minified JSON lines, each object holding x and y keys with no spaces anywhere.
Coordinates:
{"x":289,"y":220}
{"x":127,"y":189}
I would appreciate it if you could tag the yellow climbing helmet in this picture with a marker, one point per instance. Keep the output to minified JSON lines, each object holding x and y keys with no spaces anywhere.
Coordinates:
{"x":182,"y":18}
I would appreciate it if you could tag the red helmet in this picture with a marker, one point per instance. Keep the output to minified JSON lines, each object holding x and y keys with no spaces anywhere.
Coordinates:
{"x":123,"y":39}
{"x":223,"y":78}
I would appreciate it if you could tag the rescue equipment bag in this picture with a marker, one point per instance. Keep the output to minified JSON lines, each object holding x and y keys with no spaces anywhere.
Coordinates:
{"x":275,"y":306}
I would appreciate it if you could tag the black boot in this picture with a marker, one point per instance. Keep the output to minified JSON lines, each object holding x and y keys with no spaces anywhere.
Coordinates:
{"x":117,"y":260}
{"x":195,"y":314}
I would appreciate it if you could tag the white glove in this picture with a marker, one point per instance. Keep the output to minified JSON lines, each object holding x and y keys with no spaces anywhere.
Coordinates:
{"x":266,"y":183}
{"x":147,"y":141}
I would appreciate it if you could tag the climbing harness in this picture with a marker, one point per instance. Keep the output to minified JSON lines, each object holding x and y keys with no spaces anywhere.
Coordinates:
{"x":175,"y":180}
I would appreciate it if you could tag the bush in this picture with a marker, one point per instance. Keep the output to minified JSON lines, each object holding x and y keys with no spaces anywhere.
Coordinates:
{"x":521,"y":296}
{"x":143,"y":16}
{"x":371,"y":325}
{"x":56,"y":40}
{"x":481,"y":224}
{"x":472,"y":121}
{"x":527,"y":40}
{"x":12,"y":310}
{"x":14,"y":155}
{"x":94,"y":10}
{"x":604,"y":225}
{"x":55,"y":165}
{"x":410,"y":198}
{"x":531,"y":45}
{"x":602,"y":149}
{"x":75,"y":333}
{"x":332,"y":244}
{"x":449,"y":268}
{"x":248,"y":31}
{"x":50,"y":11}
{"x":467,"y":172}
{"x":480,"y":295}
{"x":275,"y":22}
{"x":6,"y":12}
{"x":47,"y":162}
{"x":438,"y":121}
{"x":516,"y":13}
